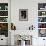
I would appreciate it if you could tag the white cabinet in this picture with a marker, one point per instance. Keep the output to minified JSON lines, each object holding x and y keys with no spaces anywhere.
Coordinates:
{"x":41,"y":41}
{"x":3,"y":40}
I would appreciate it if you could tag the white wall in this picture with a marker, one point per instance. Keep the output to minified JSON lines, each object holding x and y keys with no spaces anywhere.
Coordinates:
{"x":3,"y":1}
{"x":32,"y":13}
{"x":32,"y":6}
{"x":4,"y":41}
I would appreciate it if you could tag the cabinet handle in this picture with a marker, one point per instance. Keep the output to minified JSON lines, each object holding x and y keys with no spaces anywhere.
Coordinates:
{"x":43,"y":39}
{"x":1,"y":39}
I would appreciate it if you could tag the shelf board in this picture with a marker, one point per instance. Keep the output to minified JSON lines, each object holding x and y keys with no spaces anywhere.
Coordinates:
{"x":3,"y":16}
{"x":42,"y":16}
{"x":41,"y":28}
{"x":3,"y":10}
{"x":41,"y":22}
{"x":41,"y":10}
{"x":3,"y":22}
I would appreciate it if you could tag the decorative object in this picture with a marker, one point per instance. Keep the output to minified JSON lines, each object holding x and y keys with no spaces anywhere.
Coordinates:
{"x":0,"y":7}
{"x":43,"y":13}
{"x":41,"y":25}
{"x":23,"y":40}
{"x":6,"y":7}
{"x":26,"y":38}
{"x":31,"y":27}
{"x":42,"y":19}
{"x":41,"y":6}
{"x":3,"y":6}
{"x":4,"y":29}
{"x":3,"y":19}
{"x":3,"y":13}
{"x":22,"y":43}
{"x":13,"y":27}
{"x":42,"y":32}
{"x":23,"y":14}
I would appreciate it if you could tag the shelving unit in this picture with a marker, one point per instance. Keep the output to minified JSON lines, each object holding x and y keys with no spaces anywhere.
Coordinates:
{"x":42,"y":19}
{"x":4,"y":19}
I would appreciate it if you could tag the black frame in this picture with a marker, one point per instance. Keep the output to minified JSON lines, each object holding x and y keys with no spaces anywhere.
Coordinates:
{"x":23,"y":14}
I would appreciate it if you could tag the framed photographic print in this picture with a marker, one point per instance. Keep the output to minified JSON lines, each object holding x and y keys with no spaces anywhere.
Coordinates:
{"x":23,"y":14}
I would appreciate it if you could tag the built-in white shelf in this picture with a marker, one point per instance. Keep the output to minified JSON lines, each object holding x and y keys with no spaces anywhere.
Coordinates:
{"x":3,"y":22}
{"x":42,"y":16}
{"x":41,"y":28}
{"x":3,"y":16}
{"x":41,"y":22}
{"x":41,"y":10}
{"x":3,"y":10}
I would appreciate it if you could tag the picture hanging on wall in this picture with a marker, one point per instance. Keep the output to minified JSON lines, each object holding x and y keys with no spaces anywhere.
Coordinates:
{"x":23,"y":14}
